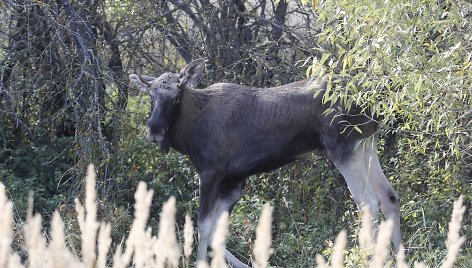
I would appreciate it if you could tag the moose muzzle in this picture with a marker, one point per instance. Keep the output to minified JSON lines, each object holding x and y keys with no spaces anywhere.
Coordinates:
{"x":157,"y":126}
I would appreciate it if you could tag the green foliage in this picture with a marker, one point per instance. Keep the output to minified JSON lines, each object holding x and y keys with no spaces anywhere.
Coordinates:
{"x":414,"y":62}
{"x":25,"y":168}
{"x":410,"y":68}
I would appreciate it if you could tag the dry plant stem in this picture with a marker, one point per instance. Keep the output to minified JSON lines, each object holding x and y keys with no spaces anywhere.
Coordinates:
{"x":135,"y":240}
{"x":35,"y":243}
{"x":60,"y":256}
{"x":218,"y":242}
{"x":163,"y":251}
{"x":89,"y":235}
{"x":167,"y":250}
{"x":139,"y":242}
{"x":320,"y":262}
{"x":104,"y":242}
{"x":382,"y":245}
{"x":6,"y":221}
{"x":80,"y":215}
{"x":188,"y":239}
{"x":118,"y":258}
{"x":339,"y":246}
{"x":202,"y":264}
{"x":150,"y":243}
{"x":454,"y":240}
{"x":401,"y":263}
{"x":365,"y":233}
{"x":14,"y":261}
{"x":8,"y":258}
{"x":262,"y":245}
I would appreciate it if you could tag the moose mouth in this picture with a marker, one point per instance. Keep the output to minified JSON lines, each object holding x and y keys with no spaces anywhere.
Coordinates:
{"x":161,"y":139}
{"x":155,"y":137}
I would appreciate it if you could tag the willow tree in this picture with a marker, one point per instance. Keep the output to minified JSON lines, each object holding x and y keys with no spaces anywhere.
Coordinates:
{"x":410,"y":68}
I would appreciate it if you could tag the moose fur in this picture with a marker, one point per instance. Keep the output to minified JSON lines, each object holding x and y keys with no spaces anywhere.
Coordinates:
{"x":232,"y":131}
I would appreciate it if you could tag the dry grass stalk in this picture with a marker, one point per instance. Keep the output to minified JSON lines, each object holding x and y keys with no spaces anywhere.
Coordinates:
{"x":366,"y":240}
{"x":202,"y":264}
{"x":139,"y":241}
{"x":104,"y":242}
{"x":218,"y":242}
{"x":383,"y":244}
{"x":262,"y":245}
{"x":401,"y":263}
{"x":339,"y":246}
{"x":14,"y":261}
{"x":454,"y":240}
{"x":337,"y":255}
{"x":80,"y":215}
{"x":150,"y":242}
{"x":8,"y":258}
{"x":118,"y":258}
{"x":6,"y":222}
{"x":165,"y":246}
{"x":88,"y":219}
{"x":61,"y":256}
{"x":320,"y":262}
{"x":135,"y":242}
{"x":164,"y":251}
{"x":167,"y":251}
{"x":188,"y":238}
{"x":38,"y":254}
{"x":57,"y":243}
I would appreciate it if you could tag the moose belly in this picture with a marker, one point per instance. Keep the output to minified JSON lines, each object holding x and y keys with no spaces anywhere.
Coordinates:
{"x":269,"y":154}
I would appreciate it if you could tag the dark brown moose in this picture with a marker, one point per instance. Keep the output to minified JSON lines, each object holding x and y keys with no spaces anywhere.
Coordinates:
{"x":233,"y":131}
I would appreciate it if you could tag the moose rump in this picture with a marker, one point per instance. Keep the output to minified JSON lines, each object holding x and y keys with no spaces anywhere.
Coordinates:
{"x":231,"y":131}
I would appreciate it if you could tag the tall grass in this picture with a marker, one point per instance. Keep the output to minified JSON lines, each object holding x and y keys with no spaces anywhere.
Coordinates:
{"x":142,"y":249}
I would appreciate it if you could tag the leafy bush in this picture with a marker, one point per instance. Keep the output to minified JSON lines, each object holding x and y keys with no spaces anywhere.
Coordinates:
{"x":414,"y":60}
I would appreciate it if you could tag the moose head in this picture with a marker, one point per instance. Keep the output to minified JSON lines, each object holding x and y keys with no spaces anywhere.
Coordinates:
{"x":165,"y":93}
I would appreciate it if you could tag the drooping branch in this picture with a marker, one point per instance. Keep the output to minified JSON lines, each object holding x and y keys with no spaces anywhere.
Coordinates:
{"x":6,"y":103}
{"x":7,"y":109}
{"x":72,"y":17}
{"x":178,"y":37}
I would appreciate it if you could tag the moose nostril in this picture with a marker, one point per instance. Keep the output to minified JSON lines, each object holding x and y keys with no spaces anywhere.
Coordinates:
{"x":154,"y":126}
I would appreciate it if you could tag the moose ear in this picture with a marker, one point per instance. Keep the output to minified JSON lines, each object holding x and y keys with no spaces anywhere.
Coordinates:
{"x":192,"y":73}
{"x":143,"y":82}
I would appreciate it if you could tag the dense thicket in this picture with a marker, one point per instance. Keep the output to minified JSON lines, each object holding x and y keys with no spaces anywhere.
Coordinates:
{"x":64,"y":73}
{"x":65,"y":102}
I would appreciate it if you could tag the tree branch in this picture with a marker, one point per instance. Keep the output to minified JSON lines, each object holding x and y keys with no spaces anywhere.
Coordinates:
{"x":10,"y":113}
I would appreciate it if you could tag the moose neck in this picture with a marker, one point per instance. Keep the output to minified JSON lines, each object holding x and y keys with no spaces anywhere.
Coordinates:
{"x":192,"y":101}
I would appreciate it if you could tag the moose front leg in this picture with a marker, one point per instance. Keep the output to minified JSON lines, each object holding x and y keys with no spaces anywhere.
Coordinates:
{"x":208,"y":193}
{"x":217,"y":195}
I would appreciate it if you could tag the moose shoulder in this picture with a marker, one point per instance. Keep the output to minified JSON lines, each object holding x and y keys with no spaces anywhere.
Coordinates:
{"x":232,"y":131}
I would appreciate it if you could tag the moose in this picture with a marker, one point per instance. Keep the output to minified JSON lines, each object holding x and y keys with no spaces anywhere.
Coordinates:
{"x":231,"y":131}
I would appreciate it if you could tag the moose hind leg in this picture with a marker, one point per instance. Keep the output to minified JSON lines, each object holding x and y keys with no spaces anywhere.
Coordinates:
{"x":364,"y":176}
{"x":231,"y":190}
